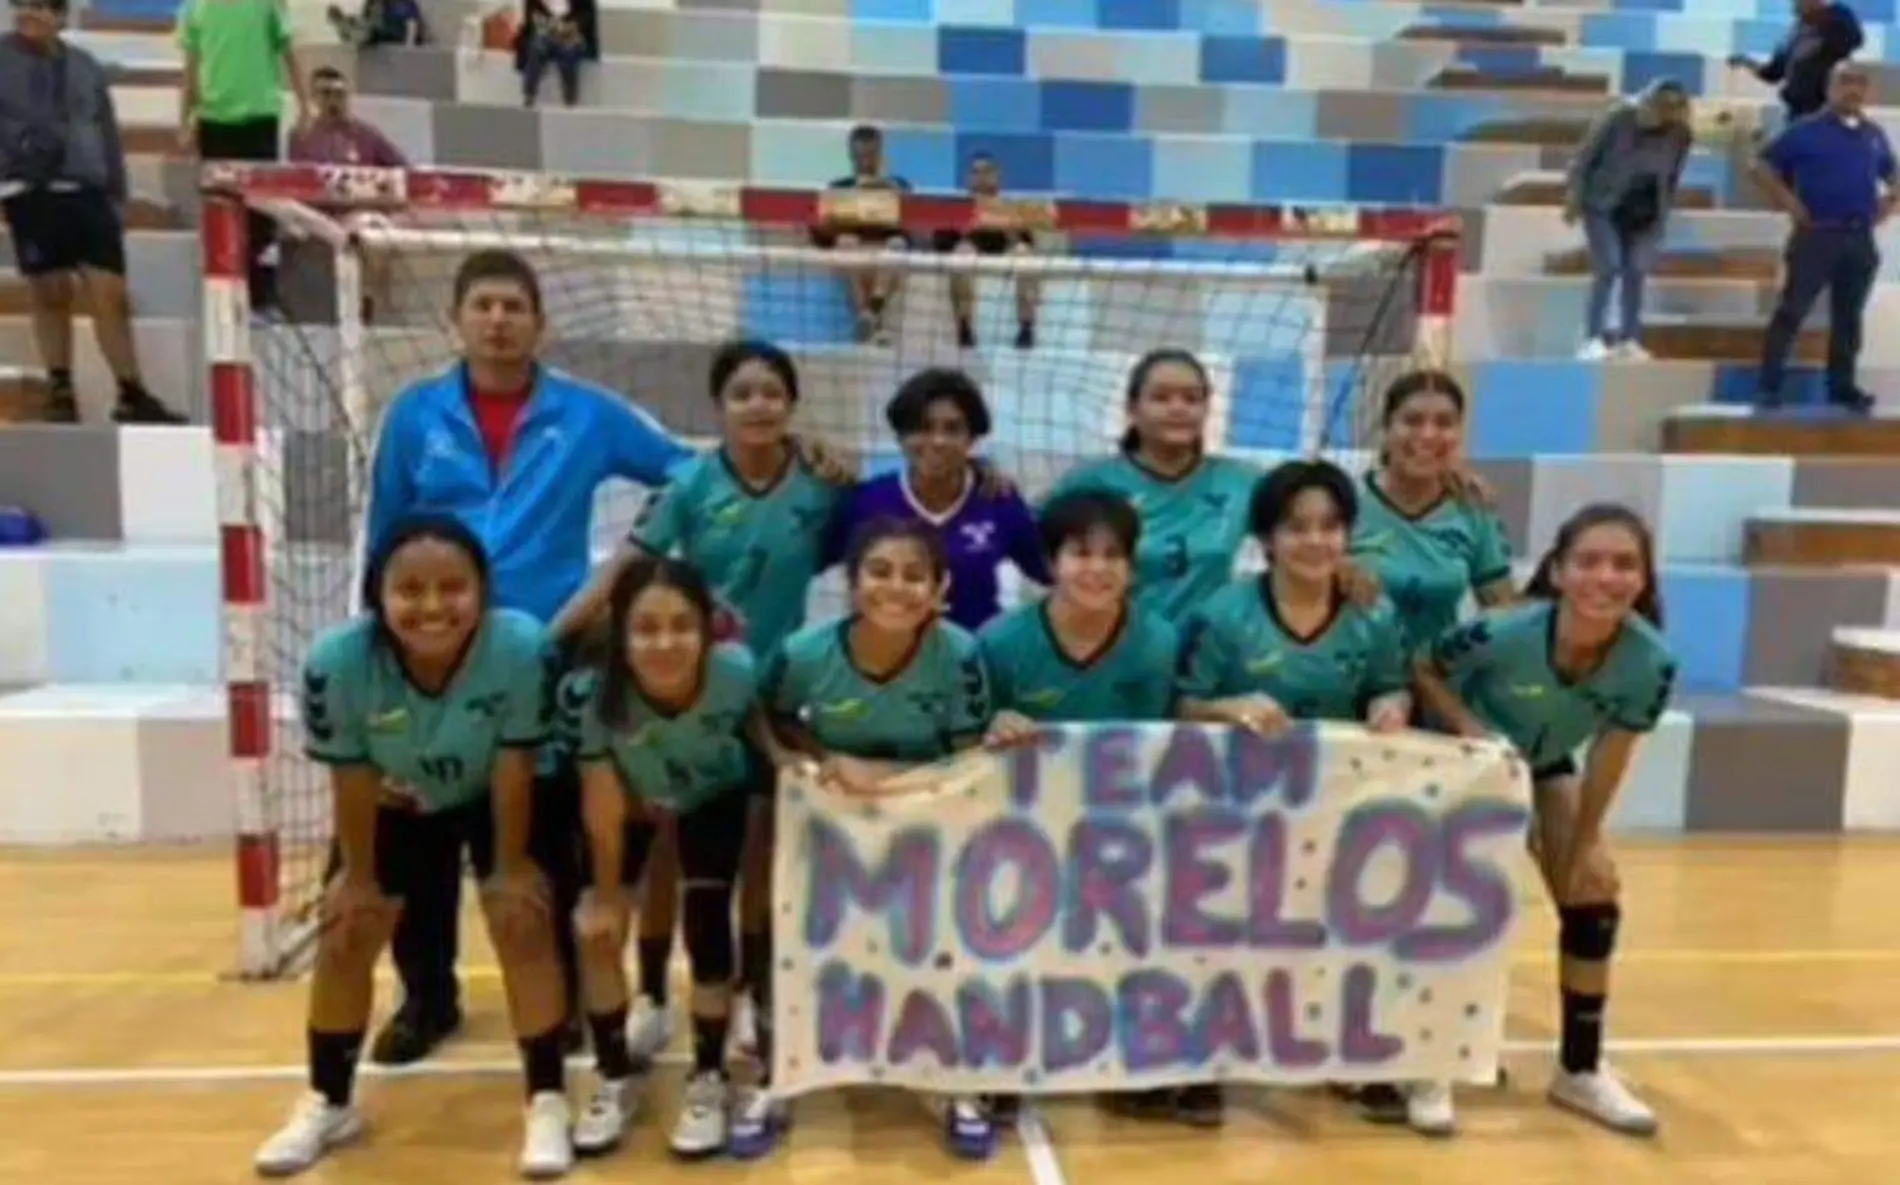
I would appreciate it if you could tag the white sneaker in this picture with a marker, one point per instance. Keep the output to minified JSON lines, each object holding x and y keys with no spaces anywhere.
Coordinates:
{"x":1428,"y":1109}
{"x":547,"y":1147}
{"x":701,"y":1128}
{"x":742,"y":1038}
{"x":649,"y":1032}
{"x":1631,"y":350}
{"x":604,"y":1122}
{"x":758,"y":1123}
{"x":315,"y":1126}
{"x":1602,"y":1096}
{"x":1594,"y":350}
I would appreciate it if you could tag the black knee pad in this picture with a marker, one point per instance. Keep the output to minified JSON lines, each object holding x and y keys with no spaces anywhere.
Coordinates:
{"x":1588,"y":932}
{"x":706,"y":918}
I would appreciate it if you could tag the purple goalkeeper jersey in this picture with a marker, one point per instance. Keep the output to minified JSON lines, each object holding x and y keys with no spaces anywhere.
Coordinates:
{"x":979,"y":533}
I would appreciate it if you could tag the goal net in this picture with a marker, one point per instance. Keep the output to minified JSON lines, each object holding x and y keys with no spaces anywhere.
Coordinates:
{"x":1300,"y":316}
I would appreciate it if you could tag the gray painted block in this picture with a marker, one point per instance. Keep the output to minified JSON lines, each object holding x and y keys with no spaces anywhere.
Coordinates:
{"x":596,"y":144}
{"x":1792,"y":614}
{"x":1364,"y":117}
{"x":68,"y":476}
{"x":804,"y":94}
{"x":900,"y":100}
{"x":1763,"y":766}
{"x":1190,"y":110}
{"x":488,"y":137}
{"x":408,"y":73}
{"x":713,"y":151}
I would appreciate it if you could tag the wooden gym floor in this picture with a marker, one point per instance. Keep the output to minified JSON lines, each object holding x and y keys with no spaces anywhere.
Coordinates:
{"x":1755,"y":1008}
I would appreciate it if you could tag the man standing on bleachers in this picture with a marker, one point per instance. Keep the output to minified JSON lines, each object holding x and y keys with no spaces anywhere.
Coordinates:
{"x":1824,"y":35}
{"x":1833,"y":174}
{"x":63,"y":186}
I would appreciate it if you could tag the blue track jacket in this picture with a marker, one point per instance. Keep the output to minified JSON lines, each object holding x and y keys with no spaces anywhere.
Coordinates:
{"x":533,"y":516}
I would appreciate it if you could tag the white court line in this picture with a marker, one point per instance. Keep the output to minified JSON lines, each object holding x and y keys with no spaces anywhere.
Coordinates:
{"x":1039,"y":1148}
{"x":1773,"y":1046}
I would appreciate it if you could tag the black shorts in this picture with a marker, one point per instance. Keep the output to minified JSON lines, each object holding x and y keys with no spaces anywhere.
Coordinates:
{"x":58,"y":231}
{"x":984,"y":241}
{"x":710,"y":838}
{"x":826,"y":237}
{"x":1563,"y":767}
{"x":412,"y":846}
{"x":762,"y":779}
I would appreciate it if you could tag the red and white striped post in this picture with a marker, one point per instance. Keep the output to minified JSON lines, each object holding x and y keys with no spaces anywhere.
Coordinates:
{"x":234,"y":426}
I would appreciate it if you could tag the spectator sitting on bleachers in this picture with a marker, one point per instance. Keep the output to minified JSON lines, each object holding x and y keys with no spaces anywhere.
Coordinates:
{"x":554,"y":33}
{"x":336,"y":137}
{"x":1824,"y":34}
{"x":1622,"y":185}
{"x":381,"y":22}
{"x":986,"y":190}
{"x":63,"y":185}
{"x":871,"y":290}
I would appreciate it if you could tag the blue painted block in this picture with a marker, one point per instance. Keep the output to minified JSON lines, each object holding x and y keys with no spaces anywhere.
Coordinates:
{"x":1655,"y":6}
{"x":1443,"y":117}
{"x":1138,"y":14}
{"x":1109,"y":167}
{"x":1124,"y":247}
{"x":1706,"y":624}
{"x":797,"y":308}
{"x":1268,"y":113}
{"x":139,"y":616}
{"x":985,"y":13}
{"x":926,"y":157}
{"x":1226,"y":18}
{"x":1757,"y":39}
{"x":1500,"y":59}
{"x":1201,"y":169}
{"x":1294,"y":171}
{"x":1056,"y":14}
{"x":913,"y":12}
{"x":1088,"y":106}
{"x":1449,"y":17}
{"x":1803,"y":387}
{"x":1618,"y":30}
{"x":1520,"y":409}
{"x":1259,"y":60}
{"x":1267,"y":402}
{"x":1641,"y":68}
{"x":964,"y":50}
{"x":993,"y":104}
{"x":1027,"y":161}
{"x":1395,"y":174}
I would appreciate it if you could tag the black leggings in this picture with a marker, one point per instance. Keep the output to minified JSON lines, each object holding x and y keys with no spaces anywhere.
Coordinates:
{"x":711,"y":843}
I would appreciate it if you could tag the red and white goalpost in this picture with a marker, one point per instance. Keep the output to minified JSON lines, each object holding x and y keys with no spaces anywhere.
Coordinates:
{"x":1300,"y":314}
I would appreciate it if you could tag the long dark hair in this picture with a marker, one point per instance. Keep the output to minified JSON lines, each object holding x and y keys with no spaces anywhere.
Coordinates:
{"x":1543,"y":584}
{"x":411,"y":528}
{"x":1138,"y":379}
{"x":618,"y":682}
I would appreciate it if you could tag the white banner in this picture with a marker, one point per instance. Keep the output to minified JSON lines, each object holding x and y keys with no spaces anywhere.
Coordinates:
{"x":1147,"y":905}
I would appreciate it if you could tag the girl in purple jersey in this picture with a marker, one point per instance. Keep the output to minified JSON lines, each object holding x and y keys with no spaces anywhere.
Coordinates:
{"x":939,"y":417}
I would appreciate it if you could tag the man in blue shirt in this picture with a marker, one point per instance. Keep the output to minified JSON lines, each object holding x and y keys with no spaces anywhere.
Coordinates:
{"x":1833,"y":173}
{"x":516,"y":450}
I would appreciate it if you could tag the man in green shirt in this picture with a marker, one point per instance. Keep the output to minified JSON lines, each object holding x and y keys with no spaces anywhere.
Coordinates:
{"x":238,"y":56}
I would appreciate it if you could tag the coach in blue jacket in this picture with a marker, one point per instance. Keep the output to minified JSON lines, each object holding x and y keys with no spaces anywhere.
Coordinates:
{"x":515,"y":450}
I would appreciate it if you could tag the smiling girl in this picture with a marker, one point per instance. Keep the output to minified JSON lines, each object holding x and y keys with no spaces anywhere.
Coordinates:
{"x":428,"y":710}
{"x":1583,"y":664}
{"x":883,"y":691}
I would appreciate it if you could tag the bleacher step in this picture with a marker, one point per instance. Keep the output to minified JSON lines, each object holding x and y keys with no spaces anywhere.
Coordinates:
{"x":1866,"y":662}
{"x":1823,"y":537}
{"x":1541,"y":132}
{"x":1485,"y":36}
{"x":1549,"y":188}
{"x":22,"y":395}
{"x":1758,"y":264}
{"x":1546,"y":80}
{"x":1708,"y":341}
{"x":1793,"y":433}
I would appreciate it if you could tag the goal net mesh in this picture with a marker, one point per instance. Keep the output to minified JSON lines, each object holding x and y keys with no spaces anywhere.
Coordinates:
{"x":1298,"y":332}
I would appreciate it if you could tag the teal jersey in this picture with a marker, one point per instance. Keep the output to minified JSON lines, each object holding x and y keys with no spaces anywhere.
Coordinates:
{"x":1192,"y":526}
{"x":937,"y":703}
{"x":758,"y":549}
{"x":676,"y":761}
{"x":1237,"y":645}
{"x":1427,"y":563}
{"x":359,"y":708}
{"x":1500,"y":664}
{"x":1130,"y":678}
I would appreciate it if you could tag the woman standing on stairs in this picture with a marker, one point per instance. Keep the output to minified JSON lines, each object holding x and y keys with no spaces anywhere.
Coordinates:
{"x":1621,"y":186}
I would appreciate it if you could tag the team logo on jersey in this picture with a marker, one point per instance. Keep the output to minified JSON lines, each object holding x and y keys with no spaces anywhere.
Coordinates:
{"x":1371,"y":544}
{"x":845,"y":709}
{"x":1043,"y":697}
{"x":394,"y":720}
{"x":930,"y":703}
{"x":488,"y":707}
{"x":978,"y":537}
{"x":1262,"y":663}
{"x":1528,"y":690}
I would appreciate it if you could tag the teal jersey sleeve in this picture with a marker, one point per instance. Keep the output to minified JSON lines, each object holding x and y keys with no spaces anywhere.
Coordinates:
{"x":1237,"y":645}
{"x":1501,"y":665}
{"x":758,"y":547}
{"x":938,"y":702}
{"x":438,"y":750}
{"x":1192,"y":527}
{"x":680,"y":760}
{"x":334,"y":674}
{"x":1429,"y":562}
{"x":1130,"y":678}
